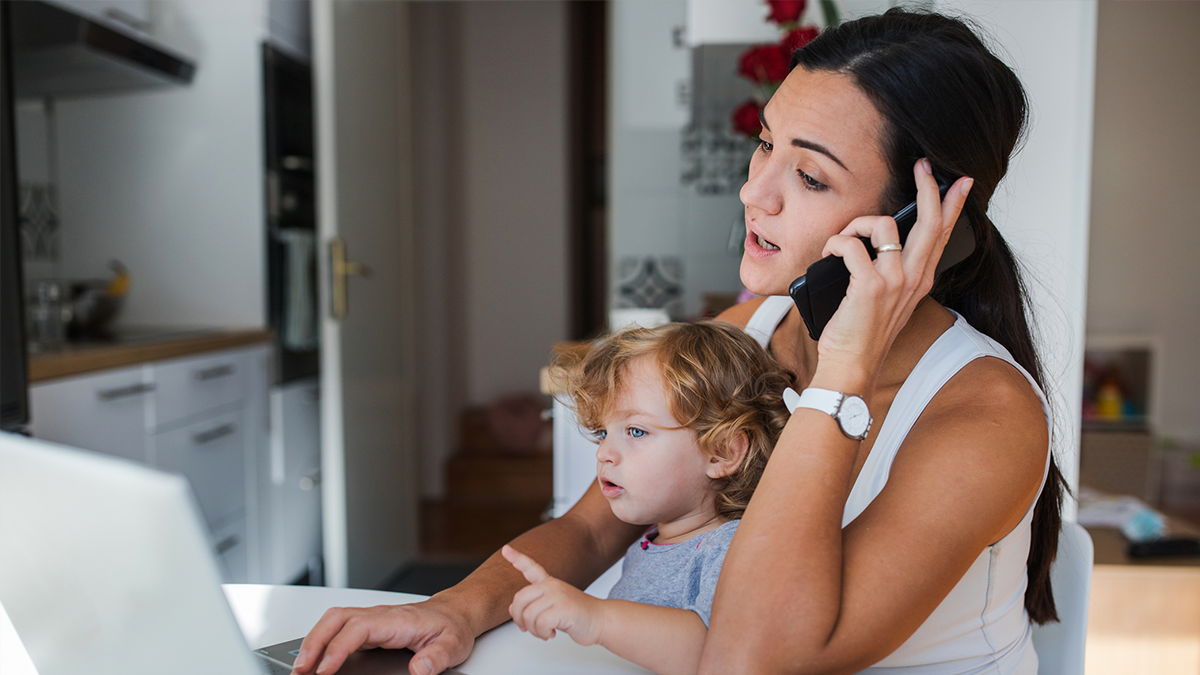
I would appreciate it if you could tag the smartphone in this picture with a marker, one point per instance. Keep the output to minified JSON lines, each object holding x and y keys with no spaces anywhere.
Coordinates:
{"x":819,"y":292}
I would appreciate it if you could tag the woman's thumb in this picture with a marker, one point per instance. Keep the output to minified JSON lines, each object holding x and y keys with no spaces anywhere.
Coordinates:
{"x":430,"y":660}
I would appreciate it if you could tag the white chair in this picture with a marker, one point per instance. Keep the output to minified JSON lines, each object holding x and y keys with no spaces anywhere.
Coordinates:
{"x":1060,"y":646}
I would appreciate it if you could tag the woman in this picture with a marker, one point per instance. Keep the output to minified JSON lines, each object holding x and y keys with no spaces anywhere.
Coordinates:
{"x":925,"y":547}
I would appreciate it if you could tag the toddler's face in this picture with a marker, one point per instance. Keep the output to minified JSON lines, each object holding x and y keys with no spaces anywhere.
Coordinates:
{"x":649,"y":471}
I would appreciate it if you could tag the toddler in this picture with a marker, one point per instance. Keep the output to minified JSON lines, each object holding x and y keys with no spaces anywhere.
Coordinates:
{"x":685,"y":416}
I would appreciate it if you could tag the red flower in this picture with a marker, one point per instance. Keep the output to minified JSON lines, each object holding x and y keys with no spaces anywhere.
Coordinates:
{"x":745,"y":119}
{"x":786,"y":11}
{"x":765,"y":63}
{"x":797,"y":38}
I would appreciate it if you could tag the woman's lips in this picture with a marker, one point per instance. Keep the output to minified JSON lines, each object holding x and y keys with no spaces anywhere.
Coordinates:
{"x":609,"y":488}
{"x":759,"y":247}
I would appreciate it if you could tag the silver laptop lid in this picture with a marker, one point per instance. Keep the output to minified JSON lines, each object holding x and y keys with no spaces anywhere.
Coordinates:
{"x":104,"y":567}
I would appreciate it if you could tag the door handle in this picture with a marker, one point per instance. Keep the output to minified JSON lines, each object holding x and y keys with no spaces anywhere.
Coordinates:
{"x":339,"y":269}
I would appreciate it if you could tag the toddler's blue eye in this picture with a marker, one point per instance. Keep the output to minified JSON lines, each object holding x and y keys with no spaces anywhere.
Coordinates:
{"x":636,"y":432}
{"x":600,"y":434}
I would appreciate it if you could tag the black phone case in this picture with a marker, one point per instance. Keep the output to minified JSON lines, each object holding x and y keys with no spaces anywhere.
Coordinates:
{"x":819,"y":293}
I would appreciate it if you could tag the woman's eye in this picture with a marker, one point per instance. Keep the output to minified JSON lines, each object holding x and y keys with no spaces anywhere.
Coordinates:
{"x":636,"y":432}
{"x":765,"y":146}
{"x":811,"y":183}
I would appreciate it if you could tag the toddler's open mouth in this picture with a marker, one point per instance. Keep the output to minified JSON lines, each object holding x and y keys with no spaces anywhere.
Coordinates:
{"x":609,"y":488}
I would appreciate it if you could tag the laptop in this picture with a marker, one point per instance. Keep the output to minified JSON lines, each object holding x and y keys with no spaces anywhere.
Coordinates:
{"x":105,"y":568}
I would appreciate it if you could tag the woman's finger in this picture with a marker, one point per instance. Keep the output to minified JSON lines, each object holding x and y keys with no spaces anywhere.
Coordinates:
{"x":926,"y":233}
{"x":879,"y":229}
{"x":853,"y":253}
{"x":353,"y":636}
{"x":432,"y":658}
{"x":313,"y":647}
{"x":534,"y":573}
{"x":952,"y":206}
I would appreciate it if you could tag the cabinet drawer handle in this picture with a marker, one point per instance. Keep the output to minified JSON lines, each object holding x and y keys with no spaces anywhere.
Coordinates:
{"x":124,"y":392}
{"x":227,"y":543}
{"x":213,"y":434}
{"x":213,"y":373}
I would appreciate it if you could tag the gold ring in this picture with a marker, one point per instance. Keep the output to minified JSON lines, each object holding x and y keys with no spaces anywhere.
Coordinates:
{"x":888,"y":247}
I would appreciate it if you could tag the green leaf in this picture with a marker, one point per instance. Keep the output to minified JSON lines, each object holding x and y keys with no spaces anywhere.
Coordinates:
{"x":830,"y":13}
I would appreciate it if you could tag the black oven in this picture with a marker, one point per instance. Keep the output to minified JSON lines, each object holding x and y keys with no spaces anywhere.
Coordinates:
{"x":292,"y":305}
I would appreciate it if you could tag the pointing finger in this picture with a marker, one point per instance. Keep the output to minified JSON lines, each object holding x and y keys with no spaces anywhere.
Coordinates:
{"x":534,"y":573}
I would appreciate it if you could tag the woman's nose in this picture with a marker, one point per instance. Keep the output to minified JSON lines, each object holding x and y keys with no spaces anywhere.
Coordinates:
{"x":760,"y":193}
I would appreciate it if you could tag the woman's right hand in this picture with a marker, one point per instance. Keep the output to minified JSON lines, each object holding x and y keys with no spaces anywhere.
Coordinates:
{"x":433,"y":629}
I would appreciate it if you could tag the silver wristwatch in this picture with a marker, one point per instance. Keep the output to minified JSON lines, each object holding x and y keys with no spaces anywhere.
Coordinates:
{"x":850,"y":411}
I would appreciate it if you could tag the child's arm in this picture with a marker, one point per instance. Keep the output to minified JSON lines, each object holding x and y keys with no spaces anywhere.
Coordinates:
{"x":663,"y":639}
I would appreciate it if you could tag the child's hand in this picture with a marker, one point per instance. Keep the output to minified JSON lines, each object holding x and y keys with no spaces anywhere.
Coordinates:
{"x":549,"y":604}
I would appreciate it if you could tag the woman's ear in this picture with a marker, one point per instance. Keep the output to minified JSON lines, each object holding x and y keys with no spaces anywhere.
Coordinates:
{"x":731,"y":457}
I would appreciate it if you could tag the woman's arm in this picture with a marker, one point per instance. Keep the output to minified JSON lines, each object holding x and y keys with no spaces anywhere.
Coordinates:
{"x":577,"y":547}
{"x":798,"y":594}
{"x":665,"y":640}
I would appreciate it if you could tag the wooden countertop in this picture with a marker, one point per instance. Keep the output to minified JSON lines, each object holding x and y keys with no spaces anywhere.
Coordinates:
{"x":77,"y":359}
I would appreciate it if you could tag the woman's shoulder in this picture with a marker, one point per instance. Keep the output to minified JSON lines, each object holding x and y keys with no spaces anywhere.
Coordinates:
{"x":739,"y":315}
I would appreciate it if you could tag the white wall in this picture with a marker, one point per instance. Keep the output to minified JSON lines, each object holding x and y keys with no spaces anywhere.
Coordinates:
{"x":437,"y":145}
{"x":1042,"y":206}
{"x":512,"y":182}
{"x":171,"y":181}
{"x":1145,"y":229}
{"x":650,"y":212}
{"x":490,"y":126}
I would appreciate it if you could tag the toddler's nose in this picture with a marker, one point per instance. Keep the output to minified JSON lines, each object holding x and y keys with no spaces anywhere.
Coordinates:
{"x":605,"y":453}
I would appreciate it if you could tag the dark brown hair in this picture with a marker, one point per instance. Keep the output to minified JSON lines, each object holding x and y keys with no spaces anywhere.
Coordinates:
{"x":945,"y":96}
{"x":720,"y":383}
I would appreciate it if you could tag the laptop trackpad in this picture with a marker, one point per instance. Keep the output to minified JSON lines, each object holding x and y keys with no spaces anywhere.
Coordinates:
{"x":280,"y":658}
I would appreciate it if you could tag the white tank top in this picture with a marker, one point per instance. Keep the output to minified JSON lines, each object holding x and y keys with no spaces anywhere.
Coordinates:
{"x":982,"y":625}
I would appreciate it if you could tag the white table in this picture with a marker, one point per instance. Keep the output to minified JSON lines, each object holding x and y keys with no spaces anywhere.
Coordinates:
{"x":271,"y":614}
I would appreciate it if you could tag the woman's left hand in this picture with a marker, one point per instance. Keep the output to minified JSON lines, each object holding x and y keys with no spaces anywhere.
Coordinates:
{"x":884,"y":292}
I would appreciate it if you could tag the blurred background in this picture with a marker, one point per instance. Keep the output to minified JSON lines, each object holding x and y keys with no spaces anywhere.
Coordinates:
{"x":314,"y":255}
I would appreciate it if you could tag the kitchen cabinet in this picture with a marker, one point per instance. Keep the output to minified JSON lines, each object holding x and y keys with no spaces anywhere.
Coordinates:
{"x":104,"y":411}
{"x":187,"y":387}
{"x":211,"y":454}
{"x":202,"y":416}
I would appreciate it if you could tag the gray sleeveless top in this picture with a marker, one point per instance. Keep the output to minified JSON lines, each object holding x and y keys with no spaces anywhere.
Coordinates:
{"x":981,"y":626}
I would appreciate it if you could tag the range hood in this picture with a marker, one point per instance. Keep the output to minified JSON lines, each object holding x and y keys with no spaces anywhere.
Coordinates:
{"x":60,"y":53}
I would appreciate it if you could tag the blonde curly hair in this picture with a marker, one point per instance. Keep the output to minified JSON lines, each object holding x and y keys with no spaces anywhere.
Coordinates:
{"x":719,"y":382}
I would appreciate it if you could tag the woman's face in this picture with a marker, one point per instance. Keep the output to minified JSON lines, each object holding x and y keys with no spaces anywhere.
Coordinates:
{"x":820,"y":165}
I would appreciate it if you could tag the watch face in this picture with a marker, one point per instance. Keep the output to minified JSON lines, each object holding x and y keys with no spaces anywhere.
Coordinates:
{"x":854,"y":417}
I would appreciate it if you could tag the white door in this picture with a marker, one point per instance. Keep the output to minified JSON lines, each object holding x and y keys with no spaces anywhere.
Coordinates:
{"x":360,"y":60}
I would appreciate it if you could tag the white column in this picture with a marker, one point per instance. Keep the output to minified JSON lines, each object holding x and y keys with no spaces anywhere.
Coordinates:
{"x":1042,"y":207}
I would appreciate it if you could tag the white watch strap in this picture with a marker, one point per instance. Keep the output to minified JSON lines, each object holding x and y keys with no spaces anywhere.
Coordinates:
{"x":825,"y":400}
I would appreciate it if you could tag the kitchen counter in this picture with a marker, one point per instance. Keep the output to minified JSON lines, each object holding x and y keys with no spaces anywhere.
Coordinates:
{"x":137,"y":347}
